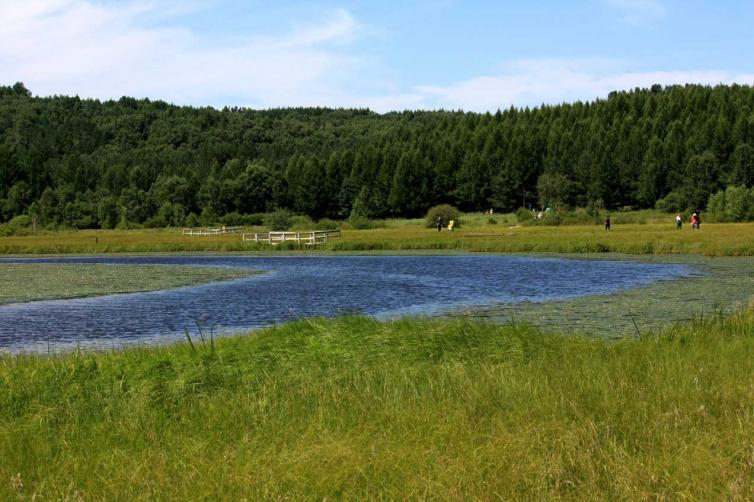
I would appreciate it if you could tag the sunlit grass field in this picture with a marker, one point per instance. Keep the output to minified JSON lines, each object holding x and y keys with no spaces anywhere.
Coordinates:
{"x":649,"y":236}
{"x":21,"y":282}
{"x":358,"y":409}
{"x":449,"y":409}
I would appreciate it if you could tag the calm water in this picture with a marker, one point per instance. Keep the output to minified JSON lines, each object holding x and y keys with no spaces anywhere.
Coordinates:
{"x":296,"y":287}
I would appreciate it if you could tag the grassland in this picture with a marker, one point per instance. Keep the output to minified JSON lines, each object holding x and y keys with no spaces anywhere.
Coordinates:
{"x":354,"y":408}
{"x":452,"y":408}
{"x":639,"y":235}
{"x":21,"y":282}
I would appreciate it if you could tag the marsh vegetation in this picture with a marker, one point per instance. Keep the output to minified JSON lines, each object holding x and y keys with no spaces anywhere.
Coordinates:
{"x":357,"y":408}
{"x":23,"y":282}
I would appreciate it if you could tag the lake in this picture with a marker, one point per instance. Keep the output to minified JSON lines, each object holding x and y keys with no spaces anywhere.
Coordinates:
{"x":293,"y":287}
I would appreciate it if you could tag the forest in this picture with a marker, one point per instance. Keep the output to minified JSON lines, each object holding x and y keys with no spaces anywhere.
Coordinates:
{"x":83,"y":163}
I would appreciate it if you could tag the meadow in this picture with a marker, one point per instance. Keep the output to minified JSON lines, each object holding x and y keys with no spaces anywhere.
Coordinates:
{"x":632,"y":233}
{"x":22,"y":282}
{"x":355,"y":408}
{"x":592,"y":398}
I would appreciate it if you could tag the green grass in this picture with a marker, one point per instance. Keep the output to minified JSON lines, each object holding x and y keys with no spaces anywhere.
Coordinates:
{"x":354,"y":408}
{"x":22,"y":282}
{"x":633,"y":233}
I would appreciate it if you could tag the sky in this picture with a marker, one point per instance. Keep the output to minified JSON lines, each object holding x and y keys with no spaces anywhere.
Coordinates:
{"x":382,"y":55}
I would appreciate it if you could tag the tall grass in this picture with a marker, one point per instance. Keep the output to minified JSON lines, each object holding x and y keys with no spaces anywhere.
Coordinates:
{"x":355,"y":408}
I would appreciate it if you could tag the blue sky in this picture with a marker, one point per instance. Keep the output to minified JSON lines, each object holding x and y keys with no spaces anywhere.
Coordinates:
{"x":423,"y":54}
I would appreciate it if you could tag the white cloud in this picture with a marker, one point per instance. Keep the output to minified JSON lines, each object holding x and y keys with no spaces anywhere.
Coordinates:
{"x":639,"y":12}
{"x":102,"y":50}
{"x":107,"y":50}
{"x":534,"y":82}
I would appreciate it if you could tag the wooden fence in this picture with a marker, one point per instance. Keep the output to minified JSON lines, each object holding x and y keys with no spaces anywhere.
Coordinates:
{"x":212,"y":231}
{"x":308,"y":238}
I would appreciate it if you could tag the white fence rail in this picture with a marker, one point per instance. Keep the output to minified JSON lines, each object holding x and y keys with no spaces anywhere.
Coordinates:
{"x":212,"y":231}
{"x":308,"y":238}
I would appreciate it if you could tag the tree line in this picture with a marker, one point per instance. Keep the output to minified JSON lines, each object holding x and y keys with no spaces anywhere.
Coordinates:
{"x":87,"y":163}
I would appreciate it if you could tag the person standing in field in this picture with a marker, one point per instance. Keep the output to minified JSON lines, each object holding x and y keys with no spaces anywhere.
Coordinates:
{"x":678,"y":221}
{"x":451,"y":224}
{"x":607,"y":223}
{"x":439,"y":223}
{"x":694,"y":221}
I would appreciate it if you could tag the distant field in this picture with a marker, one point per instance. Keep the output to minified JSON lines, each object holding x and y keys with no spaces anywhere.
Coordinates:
{"x":476,"y":235}
{"x":21,"y":282}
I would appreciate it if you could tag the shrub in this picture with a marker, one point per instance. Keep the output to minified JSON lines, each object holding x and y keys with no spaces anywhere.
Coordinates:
{"x":671,"y":203}
{"x":278,"y":220}
{"x":253,"y":219}
{"x":326,"y":224}
{"x":523,"y":214}
{"x":157,"y":221}
{"x":716,"y":206}
{"x":361,"y":223}
{"x":444,"y":211}
{"x":301,"y":222}
{"x":192,"y":220}
{"x":492,"y":221}
{"x":208,"y":217}
{"x":19,"y":225}
{"x":735,"y":203}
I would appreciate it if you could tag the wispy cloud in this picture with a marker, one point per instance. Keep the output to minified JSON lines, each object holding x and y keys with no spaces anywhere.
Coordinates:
{"x":548,"y":81}
{"x":639,"y":12}
{"x":108,"y":50}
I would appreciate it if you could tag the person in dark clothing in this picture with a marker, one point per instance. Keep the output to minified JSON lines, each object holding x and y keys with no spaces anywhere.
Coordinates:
{"x":439,"y":223}
{"x":607,"y":223}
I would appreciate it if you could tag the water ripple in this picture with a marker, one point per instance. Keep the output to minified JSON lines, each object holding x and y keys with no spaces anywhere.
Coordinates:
{"x":383,"y":286}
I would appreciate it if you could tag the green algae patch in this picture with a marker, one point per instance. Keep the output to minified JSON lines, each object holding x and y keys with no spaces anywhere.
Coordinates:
{"x":25,"y":282}
{"x":720,"y":286}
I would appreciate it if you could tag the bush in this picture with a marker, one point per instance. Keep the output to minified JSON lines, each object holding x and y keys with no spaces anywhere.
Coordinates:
{"x":671,"y":203}
{"x":208,"y":217}
{"x":192,"y":220}
{"x":361,"y":223}
{"x":278,"y":220}
{"x":157,"y":221}
{"x":444,"y":211}
{"x":253,"y":219}
{"x":735,"y":203}
{"x":523,"y":214}
{"x":19,"y":225}
{"x":326,"y":224}
{"x":492,"y":221}
{"x":301,"y":222}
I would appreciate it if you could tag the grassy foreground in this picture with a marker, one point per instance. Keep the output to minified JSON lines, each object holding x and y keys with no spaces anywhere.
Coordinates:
{"x":355,"y":408}
{"x":477,"y":234}
{"x":22,"y":282}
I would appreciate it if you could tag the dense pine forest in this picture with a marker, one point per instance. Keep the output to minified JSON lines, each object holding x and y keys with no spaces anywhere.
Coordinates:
{"x":83,"y":163}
